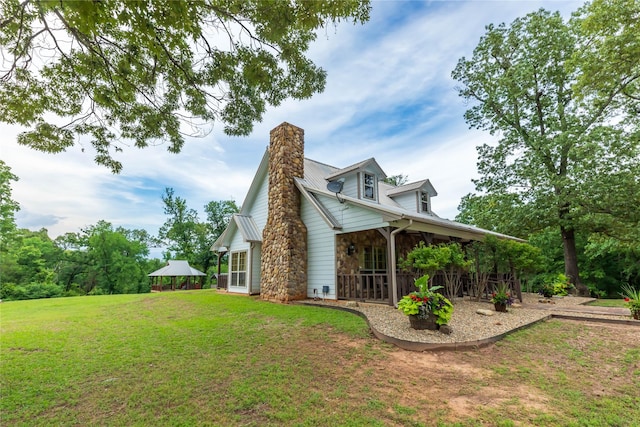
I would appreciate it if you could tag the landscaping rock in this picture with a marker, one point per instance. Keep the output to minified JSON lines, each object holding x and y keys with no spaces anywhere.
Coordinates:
{"x":485,"y":312}
{"x":352,"y":304}
{"x":446,"y":329}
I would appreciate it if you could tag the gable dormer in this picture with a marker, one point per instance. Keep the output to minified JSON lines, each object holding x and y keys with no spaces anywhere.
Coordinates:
{"x":414,"y":197}
{"x":360,"y":180}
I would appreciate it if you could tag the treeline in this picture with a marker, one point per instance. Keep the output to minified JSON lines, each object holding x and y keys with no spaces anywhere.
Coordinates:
{"x":101,"y":258}
{"x":98,"y":260}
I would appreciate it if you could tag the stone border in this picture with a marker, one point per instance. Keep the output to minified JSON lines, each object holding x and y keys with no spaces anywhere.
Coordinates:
{"x":466,"y":345}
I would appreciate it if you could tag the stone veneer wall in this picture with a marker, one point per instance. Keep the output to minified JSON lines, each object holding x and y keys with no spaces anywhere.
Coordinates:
{"x":284,"y":239}
{"x":350,"y":264}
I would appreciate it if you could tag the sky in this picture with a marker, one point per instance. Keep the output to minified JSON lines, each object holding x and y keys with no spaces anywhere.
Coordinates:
{"x":389,"y":95}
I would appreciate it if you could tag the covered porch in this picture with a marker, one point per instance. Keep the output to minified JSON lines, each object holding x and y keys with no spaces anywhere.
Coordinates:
{"x":368,"y":262}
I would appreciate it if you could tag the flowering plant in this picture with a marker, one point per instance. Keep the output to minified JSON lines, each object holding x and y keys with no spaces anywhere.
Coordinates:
{"x":632,"y":299}
{"x":425,"y":301}
{"x":502,"y":295}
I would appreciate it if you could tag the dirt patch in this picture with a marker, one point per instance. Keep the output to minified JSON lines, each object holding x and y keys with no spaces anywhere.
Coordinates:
{"x":501,"y":378}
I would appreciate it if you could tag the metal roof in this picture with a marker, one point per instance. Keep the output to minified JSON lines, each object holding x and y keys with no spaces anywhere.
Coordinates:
{"x":425,"y":185}
{"x":248,"y":228}
{"x":316,"y":178}
{"x":177,"y":268}
{"x":369,"y":164}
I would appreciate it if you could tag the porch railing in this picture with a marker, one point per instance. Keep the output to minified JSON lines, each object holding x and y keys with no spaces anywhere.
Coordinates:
{"x":222,"y":281}
{"x":377,"y":287}
{"x":364,"y":287}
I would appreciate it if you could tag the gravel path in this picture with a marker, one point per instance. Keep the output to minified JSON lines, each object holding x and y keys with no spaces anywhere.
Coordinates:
{"x":466,"y":324}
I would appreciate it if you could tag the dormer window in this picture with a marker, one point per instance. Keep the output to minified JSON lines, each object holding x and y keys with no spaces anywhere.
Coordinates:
{"x":424,"y":202}
{"x":369,"y":186}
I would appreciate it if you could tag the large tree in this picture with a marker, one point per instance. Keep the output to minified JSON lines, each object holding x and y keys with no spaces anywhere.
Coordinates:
{"x":608,"y":57}
{"x":123,"y":71}
{"x":182,"y":227}
{"x":219,"y":212}
{"x":563,"y":157}
{"x":8,"y":206}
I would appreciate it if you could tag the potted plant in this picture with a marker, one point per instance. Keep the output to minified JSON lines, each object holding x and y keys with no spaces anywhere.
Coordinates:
{"x":632,"y":299}
{"x":501,"y":298}
{"x":426,"y":308}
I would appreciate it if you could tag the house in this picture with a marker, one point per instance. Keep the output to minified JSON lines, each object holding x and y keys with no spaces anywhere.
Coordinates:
{"x":307,"y":229}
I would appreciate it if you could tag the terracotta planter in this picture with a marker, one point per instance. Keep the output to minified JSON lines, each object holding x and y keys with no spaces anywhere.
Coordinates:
{"x":501,"y":307}
{"x":421,"y":324}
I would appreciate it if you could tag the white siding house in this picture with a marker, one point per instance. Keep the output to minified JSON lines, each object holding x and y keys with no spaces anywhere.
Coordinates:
{"x":356,"y":227}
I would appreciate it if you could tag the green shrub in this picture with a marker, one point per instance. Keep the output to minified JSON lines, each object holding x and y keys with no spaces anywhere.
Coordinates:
{"x":549,"y":285}
{"x":34,"y":290}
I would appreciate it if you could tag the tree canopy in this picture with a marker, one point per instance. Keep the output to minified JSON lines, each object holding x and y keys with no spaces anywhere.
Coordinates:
{"x":100,"y":258}
{"x":563,"y":161}
{"x":138,"y":72}
{"x":608,"y":56}
{"x":8,"y":206}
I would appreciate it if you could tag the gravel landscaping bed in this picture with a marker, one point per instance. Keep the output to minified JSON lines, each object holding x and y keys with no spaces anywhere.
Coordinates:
{"x":466,"y":324}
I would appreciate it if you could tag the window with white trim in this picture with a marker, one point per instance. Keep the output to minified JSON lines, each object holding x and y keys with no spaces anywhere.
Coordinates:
{"x":369,"y":186}
{"x":238,"y":269}
{"x":424,"y":201}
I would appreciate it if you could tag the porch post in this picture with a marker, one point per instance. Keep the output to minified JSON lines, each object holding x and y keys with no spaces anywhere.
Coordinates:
{"x":394,"y":279}
{"x":386,"y":233}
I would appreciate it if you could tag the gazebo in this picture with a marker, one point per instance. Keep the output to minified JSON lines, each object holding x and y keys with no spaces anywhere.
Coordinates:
{"x":191,"y":278}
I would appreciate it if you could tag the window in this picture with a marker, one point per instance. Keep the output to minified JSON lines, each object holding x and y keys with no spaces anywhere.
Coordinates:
{"x":424,"y":202}
{"x":373,"y":259}
{"x":369,"y":186}
{"x":238,"y":266}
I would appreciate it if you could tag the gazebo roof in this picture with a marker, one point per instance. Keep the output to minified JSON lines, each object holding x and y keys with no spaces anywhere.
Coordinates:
{"x":177,"y":268}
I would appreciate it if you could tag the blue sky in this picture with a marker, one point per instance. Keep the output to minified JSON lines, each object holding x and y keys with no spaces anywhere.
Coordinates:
{"x":389,"y":95}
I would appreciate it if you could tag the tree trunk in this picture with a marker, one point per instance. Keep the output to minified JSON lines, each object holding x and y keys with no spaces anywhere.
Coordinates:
{"x":571,"y":260}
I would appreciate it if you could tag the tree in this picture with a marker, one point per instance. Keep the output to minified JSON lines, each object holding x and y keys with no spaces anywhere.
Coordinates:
{"x":505,"y":213}
{"x":121,"y":71}
{"x":116,"y":262}
{"x":219,"y":212}
{"x":448,"y":258}
{"x":397,"y":180}
{"x":8,"y":206}
{"x":182,"y":227}
{"x":555,"y":150}
{"x":609,"y":57}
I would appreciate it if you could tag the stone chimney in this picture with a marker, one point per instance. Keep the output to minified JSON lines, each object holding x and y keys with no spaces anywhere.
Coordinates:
{"x":284,"y":239}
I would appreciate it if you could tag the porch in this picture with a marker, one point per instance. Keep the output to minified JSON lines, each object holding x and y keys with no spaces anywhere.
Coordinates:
{"x":376,"y":288}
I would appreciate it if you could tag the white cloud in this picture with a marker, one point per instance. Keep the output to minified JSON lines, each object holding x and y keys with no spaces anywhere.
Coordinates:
{"x":389,"y":95}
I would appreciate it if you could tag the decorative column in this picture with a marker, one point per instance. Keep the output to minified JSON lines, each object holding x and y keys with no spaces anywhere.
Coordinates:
{"x":284,"y":239}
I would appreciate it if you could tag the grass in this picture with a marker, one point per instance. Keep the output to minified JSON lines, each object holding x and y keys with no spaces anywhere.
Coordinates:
{"x":608,"y":303}
{"x":204,"y":358}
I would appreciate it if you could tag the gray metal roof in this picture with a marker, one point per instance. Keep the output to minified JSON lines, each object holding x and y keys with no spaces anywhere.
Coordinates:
{"x":177,"y":268}
{"x":315,"y":181}
{"x":316,"y":177}
{"x":369,"y":163}
{"x":248,"y":228}
{"x":425,"y":184}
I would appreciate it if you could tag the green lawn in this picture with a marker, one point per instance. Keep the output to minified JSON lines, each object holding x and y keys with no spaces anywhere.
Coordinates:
{"x":204,"y":358}
{"x":608,"y":303}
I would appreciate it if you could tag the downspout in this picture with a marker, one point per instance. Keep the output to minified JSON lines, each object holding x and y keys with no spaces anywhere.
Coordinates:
{"x":394,"y":280}
{"x":250,"y":268}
